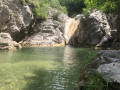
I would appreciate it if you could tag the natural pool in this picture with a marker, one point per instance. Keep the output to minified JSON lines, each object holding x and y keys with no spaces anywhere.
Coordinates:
{"x":42,"y":68}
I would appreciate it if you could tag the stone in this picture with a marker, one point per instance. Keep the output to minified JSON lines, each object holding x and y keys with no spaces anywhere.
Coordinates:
{"x":108,"y":56}
{"x":109,"y":67}
{"x":48,"y":33}
{"x":14,"y":18}
{"x":94,"y":29}
{"x":110,"y":72}
{"x":6,"y":42}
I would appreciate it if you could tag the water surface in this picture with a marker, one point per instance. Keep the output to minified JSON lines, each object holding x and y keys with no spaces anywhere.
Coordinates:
{"x":43,"y":68}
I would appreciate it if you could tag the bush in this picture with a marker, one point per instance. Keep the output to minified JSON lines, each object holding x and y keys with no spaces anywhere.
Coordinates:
{"x":23,"y":2}
{"x":106,"y":6}
{"x":40,"y":7}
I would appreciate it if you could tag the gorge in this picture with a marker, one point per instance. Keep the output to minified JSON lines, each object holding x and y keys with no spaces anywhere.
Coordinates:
{"x":46,"y":52}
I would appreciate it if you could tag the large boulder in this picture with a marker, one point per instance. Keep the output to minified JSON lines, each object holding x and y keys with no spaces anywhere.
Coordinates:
{"x":48,"y":33}
{"x":6,"y":42}
{"x":105,"y":69}
{"x":14,"y":18}
{"x":95,"y":29}
{"x":109,"y":67}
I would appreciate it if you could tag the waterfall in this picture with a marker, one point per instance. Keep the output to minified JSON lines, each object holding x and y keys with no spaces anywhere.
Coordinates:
{"x":70,"y":27}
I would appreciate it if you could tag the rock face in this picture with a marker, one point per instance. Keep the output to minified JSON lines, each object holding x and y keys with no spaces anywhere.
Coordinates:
{"x":17,"y":20}
{"x":70,"y":27}
{"x":14,"y":18}
{"x":6,"y":42}
{"x":108,"y":66}
{"x":48,"y":33}
{"x":109,"y":61}
{"x":117,"y":41}
{"x":95,"y":29}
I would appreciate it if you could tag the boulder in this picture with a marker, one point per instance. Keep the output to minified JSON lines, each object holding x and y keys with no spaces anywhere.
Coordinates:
{"x":6,"y":42}
{"x":110,"y":72}
{"x":108,"y":56}
{"x":109,"y":67}
{"x":105,"y":69}
{"x":14,"y":18}
{"x":94,"y":29}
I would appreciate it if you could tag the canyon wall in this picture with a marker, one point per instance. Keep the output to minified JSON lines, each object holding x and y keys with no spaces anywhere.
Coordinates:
{"x":48,"y":33}
{"x":18,"y":21}
{"x":93,"y":29}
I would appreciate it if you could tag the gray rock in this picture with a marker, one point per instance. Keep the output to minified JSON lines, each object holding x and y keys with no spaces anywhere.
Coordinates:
{"x":14,"y":18}
{"x":94,"y":30}
{"x":109,"y":67}
{"x":108,"y":56}
{"x":49,"y":32}
{"x":110,"y":72}
{"x":6,"y":42}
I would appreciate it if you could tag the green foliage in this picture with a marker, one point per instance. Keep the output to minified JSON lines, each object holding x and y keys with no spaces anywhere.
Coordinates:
{"x":74,"y":7}
{"x":55,"y":16}
{"x":40,"y":7}
{"x":23,"y":2}
{"x":95,"y":81}
{"x":56,"y":4}
{"x":106,"y":6}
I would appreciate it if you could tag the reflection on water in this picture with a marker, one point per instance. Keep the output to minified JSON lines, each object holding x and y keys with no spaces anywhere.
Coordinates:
{"x":49,"y":68}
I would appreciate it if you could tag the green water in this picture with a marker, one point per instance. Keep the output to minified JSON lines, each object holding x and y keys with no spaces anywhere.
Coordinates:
{"x":43,"y":68}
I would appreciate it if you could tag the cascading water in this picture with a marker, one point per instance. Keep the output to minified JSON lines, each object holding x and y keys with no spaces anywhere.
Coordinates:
{"x":70,"y":27}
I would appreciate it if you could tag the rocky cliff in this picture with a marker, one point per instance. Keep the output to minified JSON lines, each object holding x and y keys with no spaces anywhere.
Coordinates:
{"x":48,"y":33}
{"x":94,"y":29}
{"x":14,"y":18}
{"x":18,"y":21}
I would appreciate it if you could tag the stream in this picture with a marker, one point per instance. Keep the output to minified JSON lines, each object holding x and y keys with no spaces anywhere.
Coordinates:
{"x":42,"y":68}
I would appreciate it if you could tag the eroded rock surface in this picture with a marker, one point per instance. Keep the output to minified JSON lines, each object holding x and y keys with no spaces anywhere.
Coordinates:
{"x":109,"y":61}
{"x":14,"y":18}
{"x":6,"y":42}
{"x":95,"y":29}
{"x":48,"y":33}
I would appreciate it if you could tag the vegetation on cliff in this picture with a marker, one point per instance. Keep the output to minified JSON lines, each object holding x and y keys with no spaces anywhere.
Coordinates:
{"x":40,"y":7}
{"x":107,"y":6}
{"x":72,"y":7}
{"x":81,"y":6}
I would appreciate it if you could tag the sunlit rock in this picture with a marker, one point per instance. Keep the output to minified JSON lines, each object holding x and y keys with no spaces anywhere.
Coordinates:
{"x":94,"y":29}
{"x":6,"y":42}
{"x":48,"y":33}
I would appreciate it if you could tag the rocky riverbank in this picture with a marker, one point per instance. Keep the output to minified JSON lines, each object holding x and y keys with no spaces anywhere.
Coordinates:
{"x":6,"y":42}
{"x":95,"y":29}
{"x":102,"y":72}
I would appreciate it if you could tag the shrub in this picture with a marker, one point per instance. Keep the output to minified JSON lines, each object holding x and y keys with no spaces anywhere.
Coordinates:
{"x":23,"y":2}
